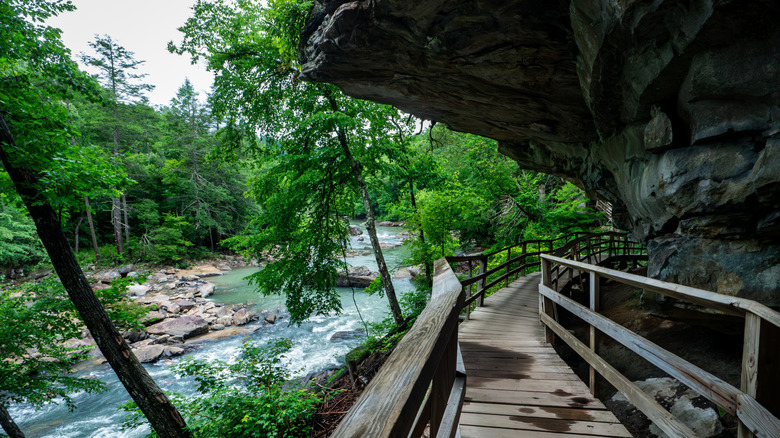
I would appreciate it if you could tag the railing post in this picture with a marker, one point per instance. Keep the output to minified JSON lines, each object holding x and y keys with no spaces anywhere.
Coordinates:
{"x":471,"y":290}
{"x":482,"y":269}
{"x":525,"y":251}
{"x":749,"y":381}
{"x":508,"y":265}
{"x":547,"y":304}
{"x":595,"y":295}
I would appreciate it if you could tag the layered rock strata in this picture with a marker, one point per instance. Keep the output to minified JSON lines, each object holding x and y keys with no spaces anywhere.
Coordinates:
{"x":670,"y":110}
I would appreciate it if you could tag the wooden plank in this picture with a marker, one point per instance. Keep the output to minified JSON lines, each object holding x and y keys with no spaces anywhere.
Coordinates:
{"x":531,"y":398}
{"x":567,"y":413}
{"x":657,"y":414}
{"x":757,"y":419}
{"x":706,"y":384}
{"x":532,"y":385}
{"x":521,"y":423}
{"x":492,"y":432}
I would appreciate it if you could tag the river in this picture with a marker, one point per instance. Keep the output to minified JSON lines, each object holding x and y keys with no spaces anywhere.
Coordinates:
{"x":97,"y":416}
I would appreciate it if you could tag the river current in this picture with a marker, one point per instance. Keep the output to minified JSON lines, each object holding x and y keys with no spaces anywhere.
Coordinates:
{"x":97,"y":415}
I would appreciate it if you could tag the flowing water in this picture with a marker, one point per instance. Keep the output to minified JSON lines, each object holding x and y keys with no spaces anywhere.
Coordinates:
{"x":98,"y":415}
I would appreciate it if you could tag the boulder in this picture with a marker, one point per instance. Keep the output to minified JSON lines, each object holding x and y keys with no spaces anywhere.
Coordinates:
{"x":206,"y":290}
{"x":125,"y":270}
{"x":189,"y":278}
{"x":270,"y":318}
{"x":149,"y":353}
{"x":185,"y":326}
{"x":137,"y":290}
{"x":346,"y":335}
{"x":355,"y":230}
{"x":106,"y":276}
{"x":135,"y":335}
{"x":173,"y":351}
{"x":244,"y":316}
{"x":152,"y":317}
{"x":216,"y":327}
{"x":693,"y":410}
{"x":224,"y":267}
{"x":358,"y":276}
{"x":184,"y":305}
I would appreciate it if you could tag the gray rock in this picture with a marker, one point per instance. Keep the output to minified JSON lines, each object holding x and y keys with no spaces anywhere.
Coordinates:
{"x":359,"y":276}
{"x":346,"y":335}
{"x":135,"y":335}
{"x":107,"y":276}
{"x":152,"y":317}
{"x":149,"y":353}
{"x":206,"y":290}
{"x":137,"y":290}
{"x":217,"y":327}
{"x":354,"y":230}
{"x":693,"y":410}
{"x":224,"y":267}
{"x":189,"y":278}
{"x":124,"y":270}
{"x":270,"y":318}
{"x":185,"y":326}
{"x":184,"y":305}
{"x":244,"y":316}
{"x":173,"y":351}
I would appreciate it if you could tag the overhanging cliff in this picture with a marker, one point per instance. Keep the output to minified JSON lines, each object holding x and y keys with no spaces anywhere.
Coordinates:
{"x":668,"y":109}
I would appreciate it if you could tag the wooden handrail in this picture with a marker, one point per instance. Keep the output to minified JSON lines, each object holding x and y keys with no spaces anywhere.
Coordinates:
{"x":425,"y":362}
{"x":612,"y":243}
{"x":754,"y":418}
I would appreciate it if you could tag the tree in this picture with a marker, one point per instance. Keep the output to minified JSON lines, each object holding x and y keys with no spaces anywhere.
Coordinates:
{"x":318,"y":145}
{"x":36,"y":150}
{"x":115,"y":66}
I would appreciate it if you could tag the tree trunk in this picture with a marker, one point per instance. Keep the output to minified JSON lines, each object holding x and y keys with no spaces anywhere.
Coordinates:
{"x":116,"y":223}
{"x":8,"y":424}
{"x":92,"y":230}
{"x":126,"y":220}
{"x":357,"y":171}
{"x":427,"y":262}
{"x":162,"y":415}
{"x":76,"y":237}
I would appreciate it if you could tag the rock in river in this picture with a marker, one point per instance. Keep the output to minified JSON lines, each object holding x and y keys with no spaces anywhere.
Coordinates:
{"x":149,"y":353}
{"x":185,"y":326}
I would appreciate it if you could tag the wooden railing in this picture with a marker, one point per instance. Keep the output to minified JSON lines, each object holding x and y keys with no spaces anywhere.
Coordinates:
{"x":594,"y":247}
{"x":423,"y":381}
{"x":761,"y":328}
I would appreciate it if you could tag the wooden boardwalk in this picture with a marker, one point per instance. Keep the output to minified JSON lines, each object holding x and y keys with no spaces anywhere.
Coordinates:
{"x":517,"y":386}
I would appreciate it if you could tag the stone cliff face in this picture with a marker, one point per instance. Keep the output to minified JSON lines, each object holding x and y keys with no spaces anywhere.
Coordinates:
{"x":669,"y":109}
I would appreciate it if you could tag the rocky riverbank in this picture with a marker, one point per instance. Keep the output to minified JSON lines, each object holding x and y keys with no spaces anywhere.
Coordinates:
{"x":180,"y":316}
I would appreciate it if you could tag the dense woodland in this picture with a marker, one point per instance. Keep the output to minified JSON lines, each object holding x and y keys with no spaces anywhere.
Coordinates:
{"x":263,"y":165}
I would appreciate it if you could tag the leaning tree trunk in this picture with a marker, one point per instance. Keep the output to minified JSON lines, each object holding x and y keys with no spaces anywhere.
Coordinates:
{"x":162,"y":415}
{"x":76,"y":236}
{"x":8,"y":424}
{"x":387,"y":280}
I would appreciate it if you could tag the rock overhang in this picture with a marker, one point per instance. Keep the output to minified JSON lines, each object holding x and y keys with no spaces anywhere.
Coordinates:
{"x":668,"y":109}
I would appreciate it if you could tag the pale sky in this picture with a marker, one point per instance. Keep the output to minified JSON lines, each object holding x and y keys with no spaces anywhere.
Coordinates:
{"x":143,"y":27}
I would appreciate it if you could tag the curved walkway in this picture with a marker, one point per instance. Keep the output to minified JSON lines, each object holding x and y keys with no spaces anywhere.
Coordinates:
{"x":517,"y":385}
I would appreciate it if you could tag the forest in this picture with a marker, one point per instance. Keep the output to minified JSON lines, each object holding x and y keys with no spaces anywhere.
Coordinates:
{"x":265,"y":166}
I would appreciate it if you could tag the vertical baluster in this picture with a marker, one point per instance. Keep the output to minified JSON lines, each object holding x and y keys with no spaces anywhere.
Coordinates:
{"x":508,"y":266}
{"x":546,"y":303}
{"x":471,"y":290}
{"x":481,"y":289}
{"x":595,"y":295}
{"x":749,"y":384}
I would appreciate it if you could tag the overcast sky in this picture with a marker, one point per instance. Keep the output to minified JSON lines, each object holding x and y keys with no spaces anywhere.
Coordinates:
{"x":143,"y":27}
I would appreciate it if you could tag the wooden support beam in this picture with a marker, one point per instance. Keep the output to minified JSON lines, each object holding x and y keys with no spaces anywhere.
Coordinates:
{"x":595,"y":294}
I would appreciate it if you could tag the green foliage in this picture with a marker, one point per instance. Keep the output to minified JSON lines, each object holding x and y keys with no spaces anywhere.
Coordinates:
{"x":19,"y":244}
{"x":36,"y":357}
{"x":251,"y":397}
{"x":166,"y":241}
